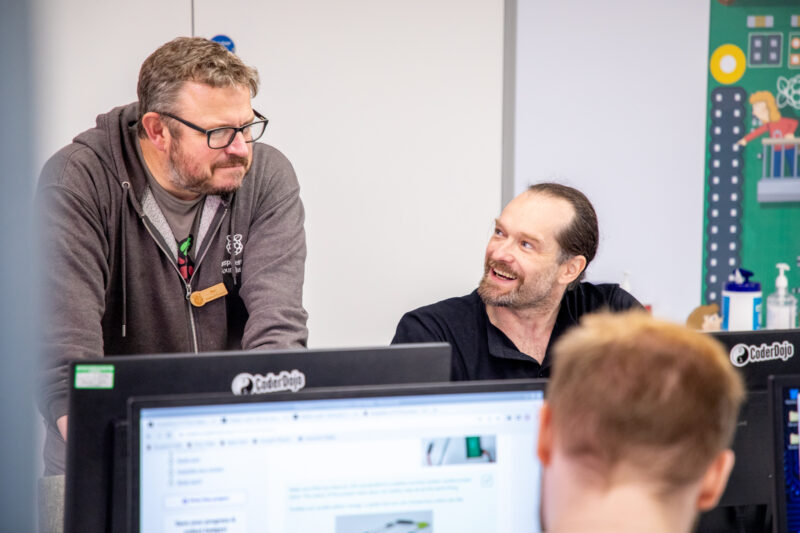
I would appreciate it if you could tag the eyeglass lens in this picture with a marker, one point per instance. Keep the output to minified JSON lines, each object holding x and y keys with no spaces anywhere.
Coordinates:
{"x":222,"y":137}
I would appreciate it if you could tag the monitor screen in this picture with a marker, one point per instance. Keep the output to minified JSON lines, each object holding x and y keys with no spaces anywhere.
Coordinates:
{"x":784,"y":408}
{"x":96,"y":476}
{"x":452,"y":458}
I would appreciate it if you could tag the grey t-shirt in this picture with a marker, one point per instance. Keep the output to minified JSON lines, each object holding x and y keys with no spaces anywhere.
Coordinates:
{"x":183,"y":216}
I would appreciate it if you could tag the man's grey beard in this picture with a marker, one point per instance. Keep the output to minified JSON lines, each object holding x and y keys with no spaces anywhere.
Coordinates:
{"x":508,"y":299}
{"x":512,"y":300}
{"x":521,"y":297}
{"x":202,"y":184}
{"x":201,"y":187}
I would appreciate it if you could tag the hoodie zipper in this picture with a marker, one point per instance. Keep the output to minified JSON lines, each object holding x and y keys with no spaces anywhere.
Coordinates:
{"x":188,"y":286}
{"x":210,"y":235}
{"x":191,"y":316}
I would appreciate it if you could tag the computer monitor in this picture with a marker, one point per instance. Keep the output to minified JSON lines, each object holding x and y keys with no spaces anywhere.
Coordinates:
{"x":750,"y":481}
{"x":756,"y":355}
{"x":451,"y":457}
{"x":762,"y":353}
{"x":96,"y":476}
{"x":783,"y":406}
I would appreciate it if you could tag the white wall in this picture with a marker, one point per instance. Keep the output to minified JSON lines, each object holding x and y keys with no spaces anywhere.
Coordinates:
{"x":390,"y":112}
{"x":87,"y":59}
{"x":611,"y":99}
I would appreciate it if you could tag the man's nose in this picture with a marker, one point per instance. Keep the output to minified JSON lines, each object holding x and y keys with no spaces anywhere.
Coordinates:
{"x":238,"y":146}
{"x":503,"y":251}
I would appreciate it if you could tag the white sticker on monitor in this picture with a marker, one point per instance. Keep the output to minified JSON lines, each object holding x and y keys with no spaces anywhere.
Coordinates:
{"x":94,"y":376}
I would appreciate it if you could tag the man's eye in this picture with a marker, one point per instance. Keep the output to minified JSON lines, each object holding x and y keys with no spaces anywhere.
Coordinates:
{"x":221,"y":134}
{"x":498,"y":232}
{"x":526,"y":244}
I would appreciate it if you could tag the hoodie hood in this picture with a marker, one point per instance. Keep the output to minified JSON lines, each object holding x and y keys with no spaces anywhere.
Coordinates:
{"x":114,"y":141}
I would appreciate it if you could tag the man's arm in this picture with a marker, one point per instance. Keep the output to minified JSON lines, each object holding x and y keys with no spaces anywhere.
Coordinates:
{"x":414,"y":328}
{"x":73,"y":252}
{"x":422,"y":326}
{"x":274,"y":266}
{"x":622,"y":300}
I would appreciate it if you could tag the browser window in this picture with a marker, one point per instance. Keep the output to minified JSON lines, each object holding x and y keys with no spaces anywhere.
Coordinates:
{"x":440,"y":462}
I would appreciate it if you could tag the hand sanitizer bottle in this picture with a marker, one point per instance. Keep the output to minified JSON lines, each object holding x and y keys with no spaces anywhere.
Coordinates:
{"x":781,"y":305}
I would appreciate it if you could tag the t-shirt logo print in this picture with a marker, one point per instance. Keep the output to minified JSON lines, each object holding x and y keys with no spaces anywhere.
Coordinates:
{"x":236,"y":242}
{"x":185,"y":261}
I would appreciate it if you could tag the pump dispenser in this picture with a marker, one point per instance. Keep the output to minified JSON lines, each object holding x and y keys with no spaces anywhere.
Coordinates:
{"x":626,"y":281}
{"x":781,"y":305}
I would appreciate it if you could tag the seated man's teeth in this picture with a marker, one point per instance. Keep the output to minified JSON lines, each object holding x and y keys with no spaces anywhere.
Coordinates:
{"x":504,"y":274}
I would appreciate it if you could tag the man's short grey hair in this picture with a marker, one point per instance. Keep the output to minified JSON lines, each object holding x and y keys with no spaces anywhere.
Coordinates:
{"x":184,"y":59}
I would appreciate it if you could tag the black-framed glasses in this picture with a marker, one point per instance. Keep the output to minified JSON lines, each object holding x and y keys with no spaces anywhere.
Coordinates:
{"x":219,"y":138}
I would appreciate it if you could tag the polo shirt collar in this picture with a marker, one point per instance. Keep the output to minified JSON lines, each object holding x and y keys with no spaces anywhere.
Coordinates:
{"x":501,"y":346}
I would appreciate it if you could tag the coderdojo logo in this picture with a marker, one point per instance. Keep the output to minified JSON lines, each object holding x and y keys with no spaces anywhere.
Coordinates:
{"x":245,"y":383}
{"x":743,"y":354}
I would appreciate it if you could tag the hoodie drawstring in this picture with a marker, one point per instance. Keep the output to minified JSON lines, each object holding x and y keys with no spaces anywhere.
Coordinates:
{"x":126,"y":186}
{"x":231,"y":247}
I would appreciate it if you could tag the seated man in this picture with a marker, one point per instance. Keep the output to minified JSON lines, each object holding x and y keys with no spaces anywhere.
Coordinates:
{"x":530,"y":294}
{"x":637,"y":425}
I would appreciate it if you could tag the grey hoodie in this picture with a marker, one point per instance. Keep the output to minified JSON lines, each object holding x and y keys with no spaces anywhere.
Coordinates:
{"x":112,"y":284}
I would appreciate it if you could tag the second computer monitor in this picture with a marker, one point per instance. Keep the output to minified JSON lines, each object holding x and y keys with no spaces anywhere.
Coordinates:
{"x":395,"y":459}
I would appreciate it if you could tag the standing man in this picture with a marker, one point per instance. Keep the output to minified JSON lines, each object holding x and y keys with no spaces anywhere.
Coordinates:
{"x":530,"y":293}
{"x":167,"y":228}
{"x":636,"y":431}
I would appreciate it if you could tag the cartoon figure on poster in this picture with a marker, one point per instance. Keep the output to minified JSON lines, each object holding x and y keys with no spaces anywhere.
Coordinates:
{"x":766,"y":111}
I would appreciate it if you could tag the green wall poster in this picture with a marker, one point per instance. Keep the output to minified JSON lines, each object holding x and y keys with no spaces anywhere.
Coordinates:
{"x":752,"y":180}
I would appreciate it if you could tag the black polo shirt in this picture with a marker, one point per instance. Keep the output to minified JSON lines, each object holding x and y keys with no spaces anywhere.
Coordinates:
{"x":482,"y":351}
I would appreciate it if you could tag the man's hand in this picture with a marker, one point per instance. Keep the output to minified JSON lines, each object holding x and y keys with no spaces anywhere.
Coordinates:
{"x":61,"y":423}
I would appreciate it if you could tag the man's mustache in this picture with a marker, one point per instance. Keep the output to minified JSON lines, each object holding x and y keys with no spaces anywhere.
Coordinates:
{"x":233,"y":161}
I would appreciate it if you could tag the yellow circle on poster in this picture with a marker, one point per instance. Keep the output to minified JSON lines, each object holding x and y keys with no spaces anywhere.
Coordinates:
{"x":728,"y":64}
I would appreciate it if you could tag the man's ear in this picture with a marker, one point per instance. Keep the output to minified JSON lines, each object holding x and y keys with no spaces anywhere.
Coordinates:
{"x":571,"y":269}
{"x":157,"y":133}
{"x":713,"y":482}
{"x":544,"y":448}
